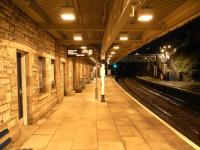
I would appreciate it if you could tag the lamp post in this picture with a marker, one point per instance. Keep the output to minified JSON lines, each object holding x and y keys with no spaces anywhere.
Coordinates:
{"x":102,"y":82}
{"x":96,"y":88}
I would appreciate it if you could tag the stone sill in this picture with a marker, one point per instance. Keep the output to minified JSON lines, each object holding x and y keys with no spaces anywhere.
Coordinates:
{"x":43,"y":96}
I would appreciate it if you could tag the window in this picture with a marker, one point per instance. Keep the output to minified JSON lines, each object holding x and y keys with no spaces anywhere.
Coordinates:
{"x":41,"y":66}
{"x":53,"y":75}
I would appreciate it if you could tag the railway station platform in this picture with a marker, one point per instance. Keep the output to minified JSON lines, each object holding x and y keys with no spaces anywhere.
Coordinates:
{"x":193,"y":87}
{"x":80,"y":122}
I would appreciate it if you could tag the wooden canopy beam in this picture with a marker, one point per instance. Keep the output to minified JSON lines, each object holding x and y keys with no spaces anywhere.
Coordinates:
{"x":119,"y":17}
{"x":97,"y":41}
{"x":184,"y":14}
{"x":95,"y":27}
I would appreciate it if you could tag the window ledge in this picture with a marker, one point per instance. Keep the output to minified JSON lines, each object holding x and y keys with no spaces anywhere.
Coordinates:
{"x":43,"y":96}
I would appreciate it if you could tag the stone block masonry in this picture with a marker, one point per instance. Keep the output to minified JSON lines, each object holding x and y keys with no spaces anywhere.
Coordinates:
{"x":18,"y":33}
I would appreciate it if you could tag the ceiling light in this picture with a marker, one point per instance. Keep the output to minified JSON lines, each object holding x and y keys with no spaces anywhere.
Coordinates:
{"x":67,"y":13}
{"x":68,"y":17}
{"x":77,"y":37}
{"x":110,"y":56}
{"x":83,"y":47}
{"x":113,"y":53}
{"x":145,"y":14}
{"x":132,"y":11}
{"x":123,"y":36}
{"x":115,"y":47}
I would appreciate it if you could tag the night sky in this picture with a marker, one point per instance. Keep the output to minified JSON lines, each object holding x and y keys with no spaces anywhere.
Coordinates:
{"x":186,"y":36}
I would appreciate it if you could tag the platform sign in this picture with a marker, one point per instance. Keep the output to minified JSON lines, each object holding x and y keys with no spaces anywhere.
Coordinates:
{"x":76,"y":53}
{"x":71,"y":52}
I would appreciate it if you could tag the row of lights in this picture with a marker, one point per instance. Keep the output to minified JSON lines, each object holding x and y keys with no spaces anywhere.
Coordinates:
{"x":162,"y":49}
{"x":167,"y":50}
{"x":78,"y":37}
{"x":144,"y":15}
{"x":122,"y":37}
{"x":68,"y":14}
{"x":115,"y":47}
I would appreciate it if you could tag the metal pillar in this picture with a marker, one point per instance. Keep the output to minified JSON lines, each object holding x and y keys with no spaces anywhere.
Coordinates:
{"x":102,"y":82}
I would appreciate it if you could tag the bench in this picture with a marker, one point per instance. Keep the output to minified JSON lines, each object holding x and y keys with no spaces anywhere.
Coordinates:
{"x":5,"y":138}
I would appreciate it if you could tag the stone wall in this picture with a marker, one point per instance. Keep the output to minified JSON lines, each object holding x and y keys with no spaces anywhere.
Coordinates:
{"x":18,"y":33}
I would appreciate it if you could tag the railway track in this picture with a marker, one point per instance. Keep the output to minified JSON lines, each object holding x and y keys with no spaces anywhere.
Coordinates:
{"x":170,"y":109}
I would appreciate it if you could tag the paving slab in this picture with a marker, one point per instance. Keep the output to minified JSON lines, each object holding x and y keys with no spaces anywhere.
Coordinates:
{"x":80,"y":122}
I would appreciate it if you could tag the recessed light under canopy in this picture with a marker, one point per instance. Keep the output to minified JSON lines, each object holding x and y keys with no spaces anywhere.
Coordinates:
{"x":145,"y":14}
{"x":110,"y":56}
{"x":83,"y":47}
{"x":116,"y":47}
{"x":123,"y":36}
{"x":77,"y":37}
{"x":68,"y":13}
{"x":113,"y":53}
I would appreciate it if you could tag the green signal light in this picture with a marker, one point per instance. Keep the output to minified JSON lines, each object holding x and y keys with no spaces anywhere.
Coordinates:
{"x":115,"y":66}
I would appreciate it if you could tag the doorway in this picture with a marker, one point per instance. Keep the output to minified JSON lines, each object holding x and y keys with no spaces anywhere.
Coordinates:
{"x":63,"y":65}
{"x":74,"y":75}
{"x":62,"y":71}
{"x":21,"y":83}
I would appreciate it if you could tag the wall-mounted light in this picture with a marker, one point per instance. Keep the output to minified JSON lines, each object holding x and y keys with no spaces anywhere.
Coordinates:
{"x":77,"y":37}
{"x":110,"y":56}
{"x":145,"y":14}
{"x":162,"y":50}
{"x":67,"y":14}
{"x":113,"y":53}
{"x":116,"y":47}
{"x":123,"y":36}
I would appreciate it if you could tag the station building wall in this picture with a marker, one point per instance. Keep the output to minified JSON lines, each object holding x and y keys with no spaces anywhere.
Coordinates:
{"x":20,"y":34}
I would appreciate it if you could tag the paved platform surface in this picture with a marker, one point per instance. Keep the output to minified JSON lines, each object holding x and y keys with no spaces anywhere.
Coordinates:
{"x":82,"y":123}
{"x":190,"y":86}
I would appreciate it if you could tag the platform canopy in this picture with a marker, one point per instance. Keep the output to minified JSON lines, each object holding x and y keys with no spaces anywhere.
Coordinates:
{"x":101,"y":23}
